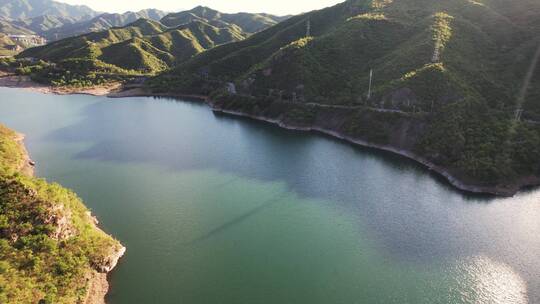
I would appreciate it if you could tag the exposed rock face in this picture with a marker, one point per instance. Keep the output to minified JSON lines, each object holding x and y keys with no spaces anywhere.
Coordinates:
{"x":54,"y":216}
{"x":97,"y":280}
{"x":27,"y":166}
{"x":97,"y":288}
{"x":108,"y":263}
{"x":60,"y":219}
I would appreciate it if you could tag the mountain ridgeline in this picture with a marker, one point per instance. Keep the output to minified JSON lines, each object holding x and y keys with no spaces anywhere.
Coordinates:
{"x":53,"y":27}
{"x":446,"y":86}
{"x":19,"y":9}
{"x":248,"y":23}
{"x":143,"y":47}
{"x":147,"y":47}
{"x":99,"y":23}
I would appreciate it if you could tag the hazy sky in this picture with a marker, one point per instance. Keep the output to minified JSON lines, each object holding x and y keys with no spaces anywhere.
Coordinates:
{"x":279,"y":7}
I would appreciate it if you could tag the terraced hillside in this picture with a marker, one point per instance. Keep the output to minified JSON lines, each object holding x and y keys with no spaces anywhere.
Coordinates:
{"x":447,"y":81}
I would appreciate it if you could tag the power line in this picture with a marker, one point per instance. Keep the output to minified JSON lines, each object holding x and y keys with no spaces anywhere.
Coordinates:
{"x":370,"y":82}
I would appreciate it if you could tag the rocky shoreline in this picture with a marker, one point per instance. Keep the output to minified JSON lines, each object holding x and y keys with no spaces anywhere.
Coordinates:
{"x":98,"y":285}
{"x":27,"y":166}
{"x":24,"y":82}
{"x":505,"y":190}
{"x":500,"y":190}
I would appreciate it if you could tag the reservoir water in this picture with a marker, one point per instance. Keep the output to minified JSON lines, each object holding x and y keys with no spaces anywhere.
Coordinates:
{"x":216,"y":209}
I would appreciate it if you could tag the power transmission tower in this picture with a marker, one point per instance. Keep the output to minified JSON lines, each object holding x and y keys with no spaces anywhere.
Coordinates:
{"x":518,"y":114}
{"x":308,"y":28}
{"x":436,"y":53}
{"x":370,"y":82}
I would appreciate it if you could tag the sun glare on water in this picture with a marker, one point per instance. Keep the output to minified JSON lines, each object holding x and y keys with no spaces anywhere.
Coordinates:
{"x":485,"y":281}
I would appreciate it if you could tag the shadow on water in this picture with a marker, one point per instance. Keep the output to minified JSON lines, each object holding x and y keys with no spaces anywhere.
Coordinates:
{"x":239,"y":219}
{"x":191,"y":137}
{"x":395,"y":161}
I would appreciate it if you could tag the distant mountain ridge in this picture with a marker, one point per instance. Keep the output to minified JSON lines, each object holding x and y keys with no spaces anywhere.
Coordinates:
{"x":144,"y":46}
{"x":249,"y":23}
{"x":55,"y":21}
{"x":43,"y":23}
{"x":18,"y":9}
{"x":100,"y":23}
{"x":8,"y":27}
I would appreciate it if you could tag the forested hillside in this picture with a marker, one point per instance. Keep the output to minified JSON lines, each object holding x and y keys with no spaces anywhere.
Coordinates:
{"x":454,"y":69}
{"x":143,"y":47}
{"x":50,"y":249}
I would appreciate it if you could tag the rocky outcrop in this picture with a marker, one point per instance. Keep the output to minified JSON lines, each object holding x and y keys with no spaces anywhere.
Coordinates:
{"x":108,"y":263}
{"x":61,"y":220}
{"x":97,"y":288}
{"x":27,"y":166}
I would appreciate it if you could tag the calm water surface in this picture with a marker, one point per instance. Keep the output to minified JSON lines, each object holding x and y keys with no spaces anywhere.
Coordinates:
{"x":216,"y":209}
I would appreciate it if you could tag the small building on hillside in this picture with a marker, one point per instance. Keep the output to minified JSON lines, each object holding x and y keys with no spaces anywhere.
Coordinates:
{"x":231,"y":88}
{"x":14,"y":48}
{"x":30,"y":40}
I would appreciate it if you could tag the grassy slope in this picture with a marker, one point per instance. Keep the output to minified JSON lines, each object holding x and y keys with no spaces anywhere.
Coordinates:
{"x":48,"y":243}
{"x":466,"y":97}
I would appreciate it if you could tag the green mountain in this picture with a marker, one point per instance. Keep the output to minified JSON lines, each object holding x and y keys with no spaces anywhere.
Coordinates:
{"x":249,"y":23}
{"x":447,"y":77}
{"x":17,"y":9}
{"x":144,"y":46}
{"x":132,"y":49}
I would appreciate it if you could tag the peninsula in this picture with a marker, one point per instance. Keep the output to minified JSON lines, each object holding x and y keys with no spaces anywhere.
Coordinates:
{"x":51,"y":250}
